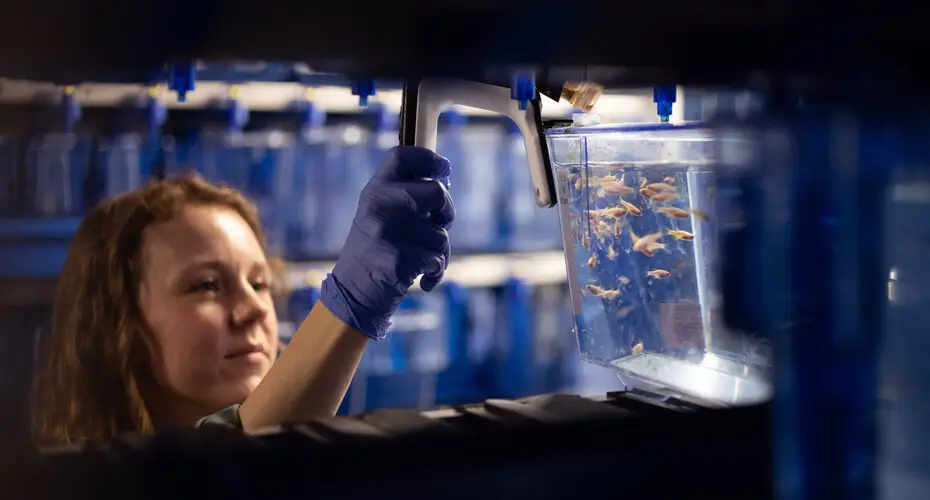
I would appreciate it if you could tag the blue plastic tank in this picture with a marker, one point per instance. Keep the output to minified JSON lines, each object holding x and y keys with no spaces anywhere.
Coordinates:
{"x":471,"y":149}
{"x":513,"y":341}
{"x":533,"y":348}
{"x":353,"y":153}
{"x":637,"y":210}
{"x":57,"y":165}
{"x":306,"y":214}
{"x":402,"y":370}
{"x":523,"y":226}
{"x":259,"y":165}
{"x":120,"y":164}
{"x":128,"y":159}
{"x":299,"y":304}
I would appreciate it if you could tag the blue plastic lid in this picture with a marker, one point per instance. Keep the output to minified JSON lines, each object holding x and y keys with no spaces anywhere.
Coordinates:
{"x":644,"y":127}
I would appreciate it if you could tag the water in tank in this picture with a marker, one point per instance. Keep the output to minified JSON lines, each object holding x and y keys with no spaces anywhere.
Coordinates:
{"x":637,"y":208}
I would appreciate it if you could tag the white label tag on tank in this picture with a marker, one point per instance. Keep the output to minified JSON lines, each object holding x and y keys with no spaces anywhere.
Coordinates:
{"x":565,"y":193}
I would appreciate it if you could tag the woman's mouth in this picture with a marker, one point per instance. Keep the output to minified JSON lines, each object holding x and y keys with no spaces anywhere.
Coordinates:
{"x":250,"y":354}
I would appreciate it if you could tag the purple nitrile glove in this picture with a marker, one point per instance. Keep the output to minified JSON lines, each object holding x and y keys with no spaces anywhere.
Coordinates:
{"x":399,"y":233}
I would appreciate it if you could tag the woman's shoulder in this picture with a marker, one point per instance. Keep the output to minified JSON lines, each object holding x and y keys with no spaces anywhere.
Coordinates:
{"x":227,"y":417}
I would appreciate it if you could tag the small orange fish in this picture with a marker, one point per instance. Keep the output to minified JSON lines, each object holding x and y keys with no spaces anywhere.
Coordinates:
{"x":681,"y":235}
{"x":643,"y":182}
{"x":617,"y":189}
{"x":661,"y":187}
{"x":614,"y":212}
{"x":592,"y":261}
{"x":700,"y":215}
{"x":631,"y":208}
{"x":637,"y":349}
{"x":651,"y":249}
{"x":607,"y":179}
{"x":585,"y":241}
{"x":647,"y":244}
{"x":610,"y":294}
{"x":659,"y":273}
{"x":669,"y":180}
{"x":646,"y":192}
{"x":674,"y":212}
{"x":594,"y":290}
{"x":611,"y":253}
{"x":664,"y":196}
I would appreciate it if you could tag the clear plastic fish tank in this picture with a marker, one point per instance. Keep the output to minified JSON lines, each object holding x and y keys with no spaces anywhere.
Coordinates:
{"x":638,"y":210}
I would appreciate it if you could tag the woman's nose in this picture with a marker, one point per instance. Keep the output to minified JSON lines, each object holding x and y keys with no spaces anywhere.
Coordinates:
{"x":249,"y":308}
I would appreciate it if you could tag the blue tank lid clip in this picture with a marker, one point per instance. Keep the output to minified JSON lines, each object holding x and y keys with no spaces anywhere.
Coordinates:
{"x":363,"y":89}
{"x":182,"y":78}
{"x":523,"y":88}
{"x":664,"y":97}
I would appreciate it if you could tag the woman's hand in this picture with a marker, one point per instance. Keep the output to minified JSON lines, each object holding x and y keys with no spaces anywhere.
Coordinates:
{"x":399,"y":233}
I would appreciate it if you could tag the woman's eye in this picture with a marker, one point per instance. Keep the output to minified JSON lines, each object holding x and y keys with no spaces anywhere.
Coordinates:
{"x":206,"y":286}
{"x":261,"y":287}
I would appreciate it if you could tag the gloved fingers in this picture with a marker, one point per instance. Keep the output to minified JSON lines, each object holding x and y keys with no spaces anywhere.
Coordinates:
{"x":433,"y":272}
{"x":406,"y":231}
{"x":432,"y":250}
{"x":432,"y":201}
{"x":431,"y":278}
{"x":405,"y":163}
{"x":431,"y":239}
{"x":429,"y":281}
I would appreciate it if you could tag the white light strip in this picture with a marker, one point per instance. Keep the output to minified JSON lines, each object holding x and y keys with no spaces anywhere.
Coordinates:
{"x":471,"y":271}
{"x":264,"y":96}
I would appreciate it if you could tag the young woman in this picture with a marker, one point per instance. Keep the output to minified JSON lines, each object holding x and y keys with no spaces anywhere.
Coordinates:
{"x":163,"y":316}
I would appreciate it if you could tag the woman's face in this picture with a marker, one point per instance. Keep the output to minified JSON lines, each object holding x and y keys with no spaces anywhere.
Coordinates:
{"x":205,"y":296}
